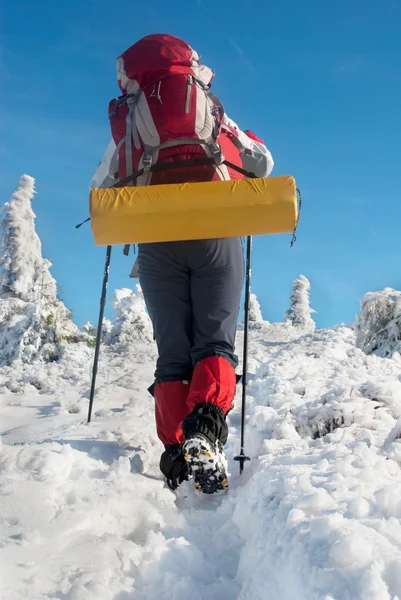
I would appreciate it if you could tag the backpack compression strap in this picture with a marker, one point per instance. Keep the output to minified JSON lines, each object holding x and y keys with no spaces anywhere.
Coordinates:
{"x":182,"y":163}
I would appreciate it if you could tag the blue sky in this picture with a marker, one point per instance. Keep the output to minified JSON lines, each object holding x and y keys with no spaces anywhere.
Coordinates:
{"x":320,"y":82}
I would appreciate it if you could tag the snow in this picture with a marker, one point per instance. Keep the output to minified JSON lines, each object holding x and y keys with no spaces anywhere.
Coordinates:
{"x":316,"y":514}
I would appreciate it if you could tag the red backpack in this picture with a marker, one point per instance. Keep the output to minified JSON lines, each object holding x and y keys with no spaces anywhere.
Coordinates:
{"x":167,"y":125}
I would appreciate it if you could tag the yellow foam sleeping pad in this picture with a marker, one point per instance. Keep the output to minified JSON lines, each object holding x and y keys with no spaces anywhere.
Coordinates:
{"x":192,"y":211}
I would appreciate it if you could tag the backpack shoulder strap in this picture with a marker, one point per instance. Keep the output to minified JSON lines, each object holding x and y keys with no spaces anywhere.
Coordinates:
{"x":216,"y":100}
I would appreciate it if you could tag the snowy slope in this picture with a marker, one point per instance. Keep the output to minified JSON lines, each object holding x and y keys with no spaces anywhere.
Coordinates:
{"x":316,"y":515}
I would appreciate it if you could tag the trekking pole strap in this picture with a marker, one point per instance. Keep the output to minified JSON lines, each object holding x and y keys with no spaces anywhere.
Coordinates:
{"x":294,"y":233}
{"x":83,"y":223}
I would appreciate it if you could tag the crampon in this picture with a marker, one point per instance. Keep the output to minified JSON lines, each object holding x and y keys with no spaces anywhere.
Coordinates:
{"x":207,"y":465}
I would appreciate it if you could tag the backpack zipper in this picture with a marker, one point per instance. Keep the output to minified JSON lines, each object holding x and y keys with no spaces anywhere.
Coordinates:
{"x":189,"y":90}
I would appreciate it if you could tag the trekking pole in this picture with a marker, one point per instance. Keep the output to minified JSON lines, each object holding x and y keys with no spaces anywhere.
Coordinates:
{"x":241,"y":458}
{"x":99,"y":330}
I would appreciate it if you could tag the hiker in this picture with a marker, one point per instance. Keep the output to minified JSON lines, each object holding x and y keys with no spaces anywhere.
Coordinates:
{"x":192,"y":289}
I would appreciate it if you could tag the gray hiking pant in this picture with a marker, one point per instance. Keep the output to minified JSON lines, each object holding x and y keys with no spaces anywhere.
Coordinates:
{"x":192,"y":291}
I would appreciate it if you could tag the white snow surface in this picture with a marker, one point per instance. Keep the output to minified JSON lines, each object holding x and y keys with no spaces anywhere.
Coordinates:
{"x":84,"y":513}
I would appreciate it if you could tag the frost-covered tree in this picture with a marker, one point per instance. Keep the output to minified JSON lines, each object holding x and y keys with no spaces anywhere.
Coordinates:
{"x":299,"y":313}
{"x":255,"y":314}
{"x":131,"y":322}
{"x":106,"y":328}
{"x":378,"y":325}
{"x":88,"y":328}
{"x":90,"y":331}
{"x":33,"y":321}
{"x":21,"y":257}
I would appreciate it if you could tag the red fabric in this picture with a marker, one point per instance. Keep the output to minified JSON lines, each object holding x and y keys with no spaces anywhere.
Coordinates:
{"x":254,"y":137}
{"x":213,"y":381}
{"x":156,"y":56}
{"x":171,"y":409}
{"x":200,"y":173}
{"x":159,"y":65}
{"x":231,"y":153}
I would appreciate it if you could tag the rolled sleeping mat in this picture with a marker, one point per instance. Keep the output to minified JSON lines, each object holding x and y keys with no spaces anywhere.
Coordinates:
{"x":193,"y":211}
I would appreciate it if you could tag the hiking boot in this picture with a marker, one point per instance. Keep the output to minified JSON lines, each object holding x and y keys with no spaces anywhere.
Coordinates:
{"x":205,"y":432}
{"x":207,"y":465}
{"x":174,"y":466}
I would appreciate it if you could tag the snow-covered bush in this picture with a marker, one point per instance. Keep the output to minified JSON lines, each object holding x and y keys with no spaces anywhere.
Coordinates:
{"x":378,"y":325}
{"x":131,"y":322}
{"x":299,"y":313}
{"x":34,"y":323}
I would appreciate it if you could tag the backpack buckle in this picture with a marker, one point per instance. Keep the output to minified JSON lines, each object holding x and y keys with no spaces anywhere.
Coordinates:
{"x":147,"y":161}
{"x":217,"y":153}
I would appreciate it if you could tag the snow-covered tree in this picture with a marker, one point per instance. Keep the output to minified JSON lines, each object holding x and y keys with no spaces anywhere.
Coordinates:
{"x":89,"y":328}
{"x":131,"y":321}
{"x":378,"y":325}
{"x":299,"y":313}
{"x":255,"y":314}
{"x":90,"y":331}
{"x":33,"y":321}
{"x":106,"y":328}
